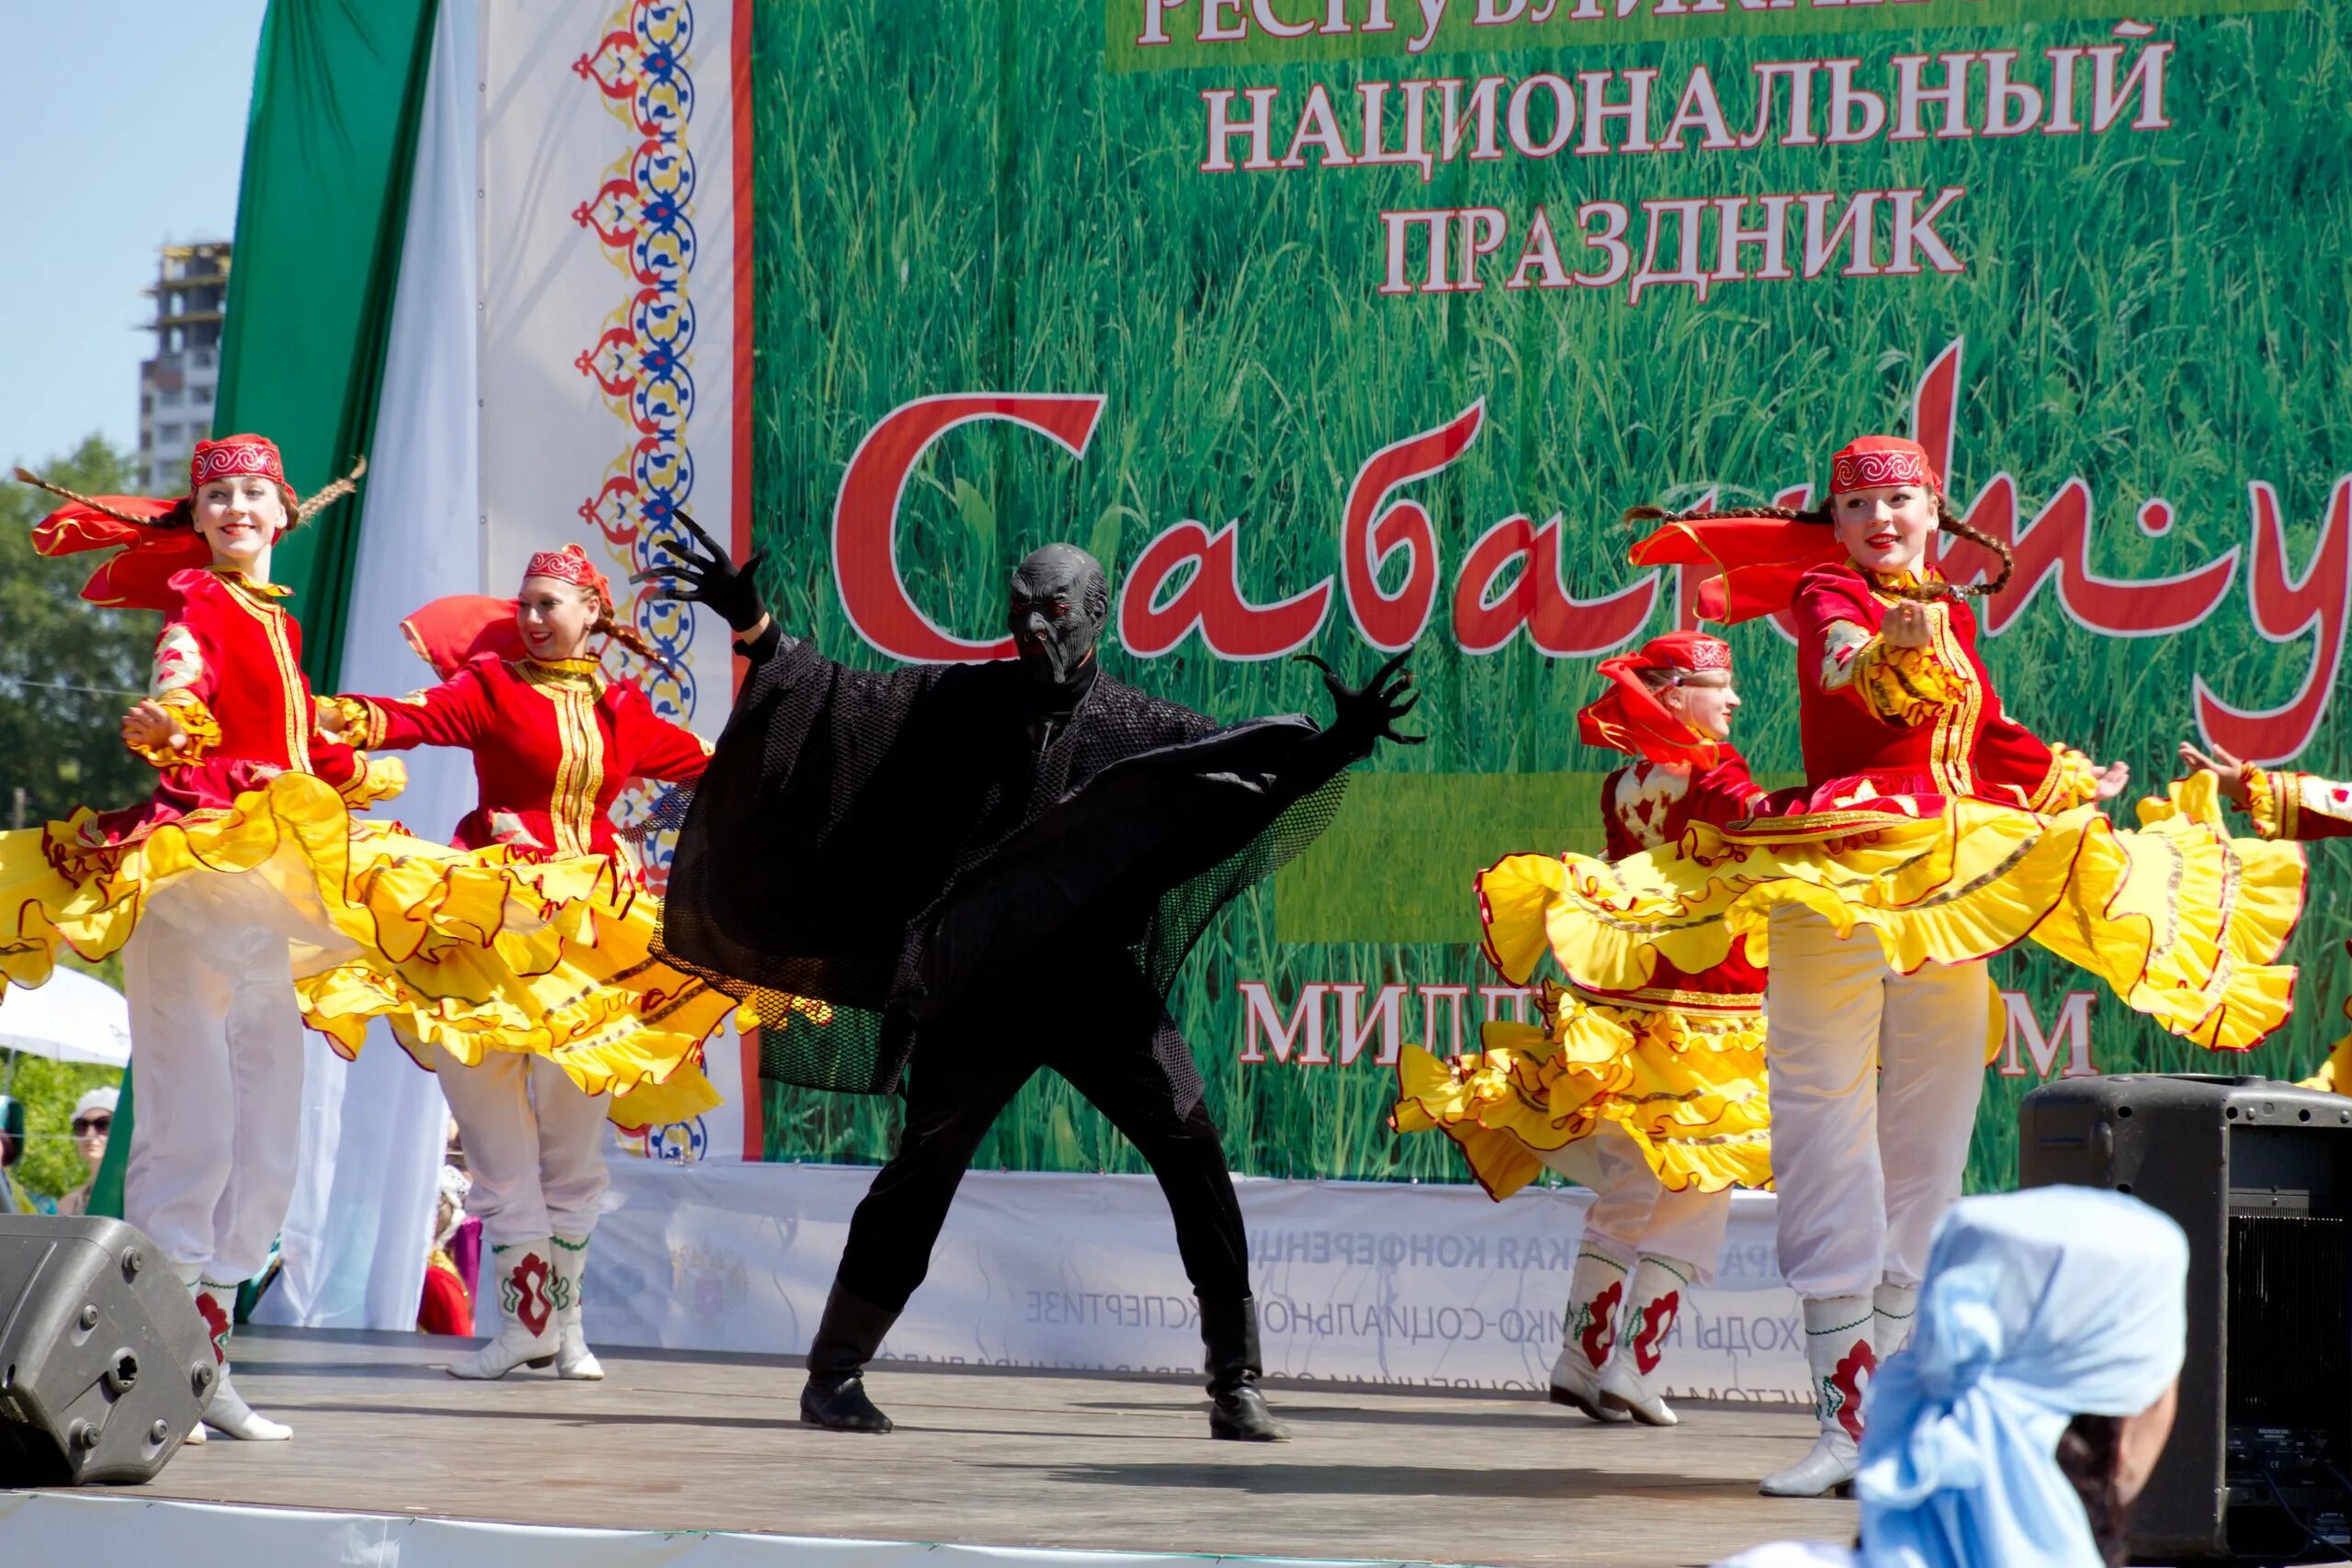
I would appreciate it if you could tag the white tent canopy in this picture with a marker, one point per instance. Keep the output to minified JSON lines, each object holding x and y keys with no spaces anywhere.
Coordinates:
{"x":72,"y":1018}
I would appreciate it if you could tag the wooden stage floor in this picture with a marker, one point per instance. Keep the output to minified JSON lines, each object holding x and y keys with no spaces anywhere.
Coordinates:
{"x":669,"y":1441}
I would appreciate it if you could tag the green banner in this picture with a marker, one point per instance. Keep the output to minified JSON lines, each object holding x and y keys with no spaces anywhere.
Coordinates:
{"x":1333,"y":353}
{"x":320,"y":209}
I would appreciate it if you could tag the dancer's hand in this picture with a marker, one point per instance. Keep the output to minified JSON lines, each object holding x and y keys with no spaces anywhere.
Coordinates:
{"x":2112,"y":781}
{"x":2231,"y":770}
{"x":1367,"y":713}
{"x":1907,"y":624}
{"x":149,"y":725}
{"x":704,"y":573}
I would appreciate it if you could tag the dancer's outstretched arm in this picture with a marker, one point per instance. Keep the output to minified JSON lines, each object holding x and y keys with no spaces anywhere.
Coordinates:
{"x":2284,"y":805}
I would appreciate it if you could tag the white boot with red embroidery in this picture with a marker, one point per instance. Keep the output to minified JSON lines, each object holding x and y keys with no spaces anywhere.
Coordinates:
{"x":573,"y":1359}
{"x":1838,"y":1350}
{"x":1658,"y":1287}
{"x":527,"y":1332}
{"x":1588,"y":1333}
{"x":229,"y":1414}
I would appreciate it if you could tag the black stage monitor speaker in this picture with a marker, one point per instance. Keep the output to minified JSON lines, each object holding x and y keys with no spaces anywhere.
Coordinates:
{"x":105,"y":1365}
{"x":2259,"y":1174}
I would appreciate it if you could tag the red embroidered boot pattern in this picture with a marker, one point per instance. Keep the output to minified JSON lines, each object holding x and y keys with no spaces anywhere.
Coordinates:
{"x":1841,"y":1392}
{"x":1599,"y":1334}
{"x":525,"y":1294}
{"x":216,"y":1323}
{"x":1656,"y":1318}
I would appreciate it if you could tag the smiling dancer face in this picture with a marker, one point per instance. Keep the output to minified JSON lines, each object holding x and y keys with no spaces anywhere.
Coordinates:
{"x":241,"y":516}
{"x":1886,"y":527}
{"x":557,"y":617}
{"x":564,"y":602}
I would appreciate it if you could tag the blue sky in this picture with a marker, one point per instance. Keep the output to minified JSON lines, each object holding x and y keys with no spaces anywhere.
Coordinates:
{"x":136,"y":121}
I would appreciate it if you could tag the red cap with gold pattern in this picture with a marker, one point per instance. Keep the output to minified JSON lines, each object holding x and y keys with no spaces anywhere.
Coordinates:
{"x":1870,"y":462}
{"x":233,"y":455}
{"x":569,"y":564}
{"x":1692,"y":651}
{"x":1631,"y":719}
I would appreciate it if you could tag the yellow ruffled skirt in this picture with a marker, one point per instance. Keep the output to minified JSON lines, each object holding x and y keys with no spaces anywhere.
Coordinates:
{"x":2183,"y":922}
{"x":66,"y":886}
{"x":1686,"y":1084}
{"x":576,"y":982}
{"x":473,"y":952}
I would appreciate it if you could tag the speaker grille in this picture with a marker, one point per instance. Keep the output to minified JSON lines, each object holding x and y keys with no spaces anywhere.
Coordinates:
{"x":2289,"y":1381}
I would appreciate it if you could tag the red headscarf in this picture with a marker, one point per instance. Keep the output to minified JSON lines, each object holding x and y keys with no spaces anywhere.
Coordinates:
{"x":1756,"y":561}
{"x":450,"y":633}
{"x":1631,"y":719}
{"x":148,"y":554}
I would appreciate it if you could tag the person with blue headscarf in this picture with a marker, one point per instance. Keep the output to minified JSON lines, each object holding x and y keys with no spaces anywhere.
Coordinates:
{"x":2038,"y":1387}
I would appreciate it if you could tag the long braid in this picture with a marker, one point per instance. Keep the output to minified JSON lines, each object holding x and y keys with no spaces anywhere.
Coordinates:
{"x":1635,"y":514}
{"x":26,"y":476}
{"x":628,"y":638}
{"x":1951,"y":523}
{"x":329,"y":494}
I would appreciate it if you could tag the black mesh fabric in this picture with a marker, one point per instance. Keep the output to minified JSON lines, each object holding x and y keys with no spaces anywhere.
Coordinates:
{"x":880,"y":842}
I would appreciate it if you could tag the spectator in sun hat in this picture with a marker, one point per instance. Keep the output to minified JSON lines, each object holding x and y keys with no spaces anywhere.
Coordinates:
{"x":93,"y":1121}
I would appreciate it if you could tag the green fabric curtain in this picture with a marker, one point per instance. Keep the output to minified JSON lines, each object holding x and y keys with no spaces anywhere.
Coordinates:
{"x":320,"y":213}
{"x":321,"y":209}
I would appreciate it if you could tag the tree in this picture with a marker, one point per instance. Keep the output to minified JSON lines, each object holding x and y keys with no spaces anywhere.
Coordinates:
{"x":52,"y":1167}
{"x":68,"y":670}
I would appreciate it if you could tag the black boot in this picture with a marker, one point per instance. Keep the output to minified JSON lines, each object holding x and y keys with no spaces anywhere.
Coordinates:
{"x":1237,"y":1410}
{"x":835,"y":1397}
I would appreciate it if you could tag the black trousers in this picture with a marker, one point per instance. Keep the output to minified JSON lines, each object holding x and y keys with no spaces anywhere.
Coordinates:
{"x":967,"y":1071}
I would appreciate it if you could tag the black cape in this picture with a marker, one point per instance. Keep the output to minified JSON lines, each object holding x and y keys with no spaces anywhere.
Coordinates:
{"x":885,"y":842}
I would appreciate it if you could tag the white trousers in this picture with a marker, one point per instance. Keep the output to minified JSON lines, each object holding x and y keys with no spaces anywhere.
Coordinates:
{"x":1633,"y":1213}
{"x":216,"y":1067}
{"x":535,"y":1145}
{"x":1875,"y":1077}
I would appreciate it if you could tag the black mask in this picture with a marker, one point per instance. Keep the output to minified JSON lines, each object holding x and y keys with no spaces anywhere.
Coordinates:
{"x":1060,"y":601}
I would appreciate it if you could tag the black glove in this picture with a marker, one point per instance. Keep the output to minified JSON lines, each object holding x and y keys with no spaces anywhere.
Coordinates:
{"x":707,"y":575}
{"x":1362,"y":716}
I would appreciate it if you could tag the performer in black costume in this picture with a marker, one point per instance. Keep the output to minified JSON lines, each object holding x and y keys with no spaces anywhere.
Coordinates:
{"x":985,"y":869}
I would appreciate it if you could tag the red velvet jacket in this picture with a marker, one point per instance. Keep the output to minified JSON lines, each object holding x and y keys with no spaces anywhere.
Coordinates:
{"x":229,"y":666}
{"x":1647,"y":804}
{"x":1911,"y":721}
{"x":555,"y":741}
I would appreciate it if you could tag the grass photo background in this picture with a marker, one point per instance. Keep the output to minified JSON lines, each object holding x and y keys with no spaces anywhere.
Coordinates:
{"x":960,"y":196}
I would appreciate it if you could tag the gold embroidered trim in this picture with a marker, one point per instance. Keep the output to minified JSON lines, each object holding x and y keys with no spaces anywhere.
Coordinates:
{"x":292,"y":712}
{"x":573,"y":693}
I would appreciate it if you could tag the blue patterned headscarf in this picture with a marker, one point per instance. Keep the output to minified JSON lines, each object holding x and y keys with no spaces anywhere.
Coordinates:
{"x":2039,"y":1306}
